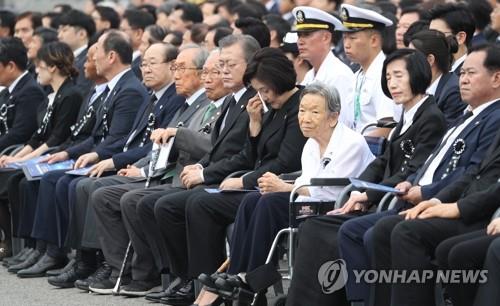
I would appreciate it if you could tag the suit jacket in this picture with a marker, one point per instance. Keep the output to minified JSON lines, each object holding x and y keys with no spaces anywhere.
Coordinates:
{"x":477,"y":136}
{"x":448,"y":98}
{"x":164,"y":110}
{"x":478,"y":190}
{"x":276,"y":149}
{"x":22,"y":105}
{"x":66,"y":104}
{"x":394,"y":165}
{"x":84,"y":84}
{"x":136,"y":67}
{"x":228,"y":142}
{"x":122,"y":104}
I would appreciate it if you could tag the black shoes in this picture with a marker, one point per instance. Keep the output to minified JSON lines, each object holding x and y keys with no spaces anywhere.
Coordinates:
{"x":18,"y":258}
{"x":140,"y":288}
{"x":44,"y":264}
{"x":102,"y":273}
{"x":67,"y":279}
{"x":66,"y":268}
{"x":183,"y":296}
{"x":175,"y":285}
{"x":31,"y":259}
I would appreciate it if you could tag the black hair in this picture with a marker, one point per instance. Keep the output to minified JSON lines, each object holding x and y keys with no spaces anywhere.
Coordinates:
{"x":245,"y":10}
{"x":457,"y":17}
{"x":198,"y":32}
{"x":110,"y":15}
{"x":54,"y":19}
{"x":272,"y":67}
{"x":47,"y":35}
{"x":156,"y":33}
{"x":116,"y":41}
{"x":389,"y":34}
{"x":190,"y":12}
{"x":177,"y":38}
{"x":149,"y":9}
{"x":13,"y":50}
{"x":64,"y":7}
{"x":8,"y":20}
{"x":34,"y":17}
{"x":414,"y":28}
{"x":138,"y":19}
{"x":436,"y":43}
{"x":278,"y":24}
{"x":417,"y":66}
{"x":220,"y":33}
{"x":481,"y":10}
{"x":76,"y":18}
{"x":492,"y":60}
{"x":60,"y":55}
{"x":255,"y":28}
{"x":170,"y":52}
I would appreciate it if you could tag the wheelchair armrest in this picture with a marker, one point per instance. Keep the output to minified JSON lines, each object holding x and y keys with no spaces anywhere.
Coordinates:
{"x":10,"y":149}
{"x":330,"y":181}
{"x":51,"y":150}
{"x":344,"y":196}
{"x":385,"y":202}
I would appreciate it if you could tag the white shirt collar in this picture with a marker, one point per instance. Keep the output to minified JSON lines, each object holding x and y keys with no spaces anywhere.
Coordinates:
{"x":112,"y":83}
{"x":195,"y":96}
{"x":79,"y":50}
{"x":239,"y":94}
{"x":14,"y":84}
{"x":481,"y":107}
{"x":136,"y":54}
{"x":162,"y":91}
{"x":458,"y":62}
{"x":219,"y":102}
{"x":409,"y":114}
{"x":431,"y":90}
{"x":100,"y":88}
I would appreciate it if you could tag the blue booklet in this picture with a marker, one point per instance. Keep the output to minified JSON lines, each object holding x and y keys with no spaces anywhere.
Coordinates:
{"x":378,"y":187}
{"x":36,"y":171}
{"x":80,"y":172}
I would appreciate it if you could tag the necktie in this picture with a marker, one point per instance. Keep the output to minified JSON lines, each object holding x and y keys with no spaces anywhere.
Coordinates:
{"x":211,"y":109}
{"x":229,"y":113}
{"x":426,"y":165}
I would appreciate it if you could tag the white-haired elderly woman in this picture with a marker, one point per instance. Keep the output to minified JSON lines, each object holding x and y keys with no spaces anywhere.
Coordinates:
{"x":332,"y":150}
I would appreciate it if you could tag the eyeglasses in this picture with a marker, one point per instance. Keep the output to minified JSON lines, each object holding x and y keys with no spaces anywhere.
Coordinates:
{"x":210,"y":73}
{"x":145,"y":65}
{"x":182,"y":69}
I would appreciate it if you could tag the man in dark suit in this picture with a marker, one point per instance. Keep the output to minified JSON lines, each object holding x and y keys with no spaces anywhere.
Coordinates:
{"x":75,"y":29}
{"x":460,"y":207}
{"x":134,"y":22}
{"x":124,"y":96}
{"x":19,"y":103}
{"x":448,"y":98}
{"x":21,"y":97}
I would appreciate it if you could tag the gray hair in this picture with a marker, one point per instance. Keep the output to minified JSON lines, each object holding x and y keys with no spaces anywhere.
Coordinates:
{"x":201,"y":55}
{"x":249,"y":44}
{"x":330,"y":94}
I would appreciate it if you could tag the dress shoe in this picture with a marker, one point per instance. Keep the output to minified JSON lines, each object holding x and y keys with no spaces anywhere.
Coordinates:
{"x":209,"y":280}
{"x":102,"y":273}
{"x":66,"y":268}
{"x":18,"y":258}
{"x":5,"y":249}
{"x":140,"y":288}
{"x":28,"y":262}
{"x":67,"y":279}
{"x":183,"y":296}
{"x":40,"y":268}
{"x":172,"y":288}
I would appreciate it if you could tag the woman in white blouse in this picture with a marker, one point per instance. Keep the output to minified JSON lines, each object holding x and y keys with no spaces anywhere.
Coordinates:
{"x":332,"y":150}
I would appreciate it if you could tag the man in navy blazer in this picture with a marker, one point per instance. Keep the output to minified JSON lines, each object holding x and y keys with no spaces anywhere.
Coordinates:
{"x":125,"y":95}
{"x":20,"y":99}
{"x":448,"y":98}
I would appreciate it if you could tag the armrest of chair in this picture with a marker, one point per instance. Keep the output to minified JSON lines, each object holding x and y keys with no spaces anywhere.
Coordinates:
{"x":290,"y":177}
{"x":239,"y":173}
{"x":387,"y":202}
{"x":51,"y":150}
{"x":11,"y":149}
